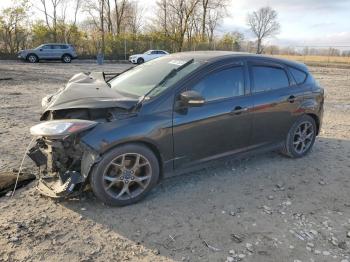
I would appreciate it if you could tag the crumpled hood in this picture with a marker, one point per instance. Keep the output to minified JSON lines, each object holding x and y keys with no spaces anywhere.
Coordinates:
{"x":86,"y":91}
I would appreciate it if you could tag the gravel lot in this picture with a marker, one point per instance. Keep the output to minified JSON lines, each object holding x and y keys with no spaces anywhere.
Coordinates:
{"x":264,"y":208}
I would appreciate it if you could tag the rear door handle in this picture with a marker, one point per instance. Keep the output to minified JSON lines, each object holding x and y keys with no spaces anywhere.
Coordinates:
{"x":238,"y":110}
{"x":291,"y":99}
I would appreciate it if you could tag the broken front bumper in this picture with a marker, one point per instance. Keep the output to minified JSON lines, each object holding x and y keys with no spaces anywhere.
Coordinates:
{"x":64,"y":166}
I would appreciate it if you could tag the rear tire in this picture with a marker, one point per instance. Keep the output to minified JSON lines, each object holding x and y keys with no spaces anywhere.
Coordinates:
{"x":125,"y":175}
{"x":140,"y":61}
{"x":66,"y":59}
{"x":32,"y":58}
{"x":301,"y":137}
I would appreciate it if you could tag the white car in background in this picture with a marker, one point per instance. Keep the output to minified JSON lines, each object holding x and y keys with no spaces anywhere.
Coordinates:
{"x":147,"y":56}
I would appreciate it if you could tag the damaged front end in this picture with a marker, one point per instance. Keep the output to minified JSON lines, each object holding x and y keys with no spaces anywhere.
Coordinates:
{"x":63,"y":160}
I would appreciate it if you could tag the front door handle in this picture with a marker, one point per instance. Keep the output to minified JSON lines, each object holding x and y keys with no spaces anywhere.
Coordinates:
{"x":238,"y":110}
{"x":291,"y":99}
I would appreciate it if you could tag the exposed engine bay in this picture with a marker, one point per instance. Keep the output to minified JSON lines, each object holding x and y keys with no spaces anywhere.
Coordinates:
{"x":60,"y":166}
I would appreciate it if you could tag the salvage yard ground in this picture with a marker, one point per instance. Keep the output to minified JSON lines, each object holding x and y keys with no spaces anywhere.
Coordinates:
{"x":263,"y":208}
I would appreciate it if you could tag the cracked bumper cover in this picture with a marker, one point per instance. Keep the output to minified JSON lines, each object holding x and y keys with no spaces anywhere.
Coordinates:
{"x":62,"y":184}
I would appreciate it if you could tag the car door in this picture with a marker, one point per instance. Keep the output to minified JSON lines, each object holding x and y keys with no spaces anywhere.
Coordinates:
{"x":276,"y":102}
{"x":161,"y":53}
{"x":222,"y":125}
{"x":154,"y":54}
{"x":45,"y":52}
{"x":57,"y":52}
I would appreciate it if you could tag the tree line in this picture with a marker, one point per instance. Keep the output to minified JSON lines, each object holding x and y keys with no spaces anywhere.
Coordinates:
{"x":117,"y":28}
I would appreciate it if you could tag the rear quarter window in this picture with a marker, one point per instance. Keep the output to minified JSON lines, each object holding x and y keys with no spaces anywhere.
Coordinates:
{"x":298,"y":75}
{"x":268,"y":78}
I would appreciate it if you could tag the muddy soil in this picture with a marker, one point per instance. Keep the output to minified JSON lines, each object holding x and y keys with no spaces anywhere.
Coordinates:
{"x":263,"y":208}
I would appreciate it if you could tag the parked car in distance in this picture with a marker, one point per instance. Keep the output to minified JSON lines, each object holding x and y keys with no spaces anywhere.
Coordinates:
{"x":171,"y":115}
{"x":63,"y":52}
{"x":147,"y":56}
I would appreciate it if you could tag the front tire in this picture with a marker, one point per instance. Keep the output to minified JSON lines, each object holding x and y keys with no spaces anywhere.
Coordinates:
{"x":301,"y":137}
{"x":140,"y":61}
{"x":125,"y":175}
{"x":31,"y":58}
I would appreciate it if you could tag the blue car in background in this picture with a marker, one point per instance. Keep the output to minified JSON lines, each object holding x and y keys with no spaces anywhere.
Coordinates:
{"x":63,"y":52}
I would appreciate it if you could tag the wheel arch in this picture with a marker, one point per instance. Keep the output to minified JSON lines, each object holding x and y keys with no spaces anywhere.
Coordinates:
{"x":317,"y":121}
{"x":155,"y":150}
{"x":66,"y":54}
{"x":33,"y":55}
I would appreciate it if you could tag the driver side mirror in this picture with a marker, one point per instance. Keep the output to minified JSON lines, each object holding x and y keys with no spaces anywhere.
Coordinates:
{"x":191,"y":99}
{"x":40,"y":49}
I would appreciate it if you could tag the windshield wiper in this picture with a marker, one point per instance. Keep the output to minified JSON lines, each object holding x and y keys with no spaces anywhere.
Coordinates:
{"x":114,"y":75}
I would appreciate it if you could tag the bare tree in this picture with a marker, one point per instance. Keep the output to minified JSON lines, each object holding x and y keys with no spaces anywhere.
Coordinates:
{"x":212,"y":23}
{"x":109,"y":16}
{"x":211,"y":9}
{"x":96,"y":10}
{"x":263,"y":24}
{"x":120,"y":8}
{"x":134,"y":18}
{"x":13,"y":21}
{"x":162,"y":15}
{"x":50,"y":8}
{"x":179,"y":12}
{"x":102,"y":27}
{"x":71,"y":24}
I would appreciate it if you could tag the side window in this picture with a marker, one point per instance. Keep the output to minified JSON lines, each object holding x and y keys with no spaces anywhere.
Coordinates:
{"x":47,"y":47}
{"x":154,"y":52}
{"x":56,"y":46}
{"x":269,"y":78}
{"x":222,"y":84}
{"x":161,"y":52}
{"x":299,"y":76}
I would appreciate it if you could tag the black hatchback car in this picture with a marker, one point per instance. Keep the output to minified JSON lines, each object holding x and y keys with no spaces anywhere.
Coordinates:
{"x":168,"y":115}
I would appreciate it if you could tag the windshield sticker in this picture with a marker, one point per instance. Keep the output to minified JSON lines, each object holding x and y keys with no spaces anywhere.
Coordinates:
{"x":177,"y":62}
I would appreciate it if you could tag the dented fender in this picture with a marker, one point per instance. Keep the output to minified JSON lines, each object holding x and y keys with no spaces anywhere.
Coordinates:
{"x":88,"y":160}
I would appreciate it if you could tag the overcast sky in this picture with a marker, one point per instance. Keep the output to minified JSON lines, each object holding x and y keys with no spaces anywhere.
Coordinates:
{"x":303,"y":22}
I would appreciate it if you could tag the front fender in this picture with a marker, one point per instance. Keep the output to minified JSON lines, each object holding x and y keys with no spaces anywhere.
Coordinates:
{"x":153,"y":129}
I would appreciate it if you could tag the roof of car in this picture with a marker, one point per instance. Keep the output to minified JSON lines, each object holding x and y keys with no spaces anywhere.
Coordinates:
{"x":155,"y":50}
{"x":212,"y":56}
{"x":56,"y":44}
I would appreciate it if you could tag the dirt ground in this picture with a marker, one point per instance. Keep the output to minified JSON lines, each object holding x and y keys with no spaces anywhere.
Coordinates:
{"x":264,"y":208}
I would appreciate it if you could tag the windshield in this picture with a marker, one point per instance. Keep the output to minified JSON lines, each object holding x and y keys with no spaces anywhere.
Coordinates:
{"x":140,"y":80}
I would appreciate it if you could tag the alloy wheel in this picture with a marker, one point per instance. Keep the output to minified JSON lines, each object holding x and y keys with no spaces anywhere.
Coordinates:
{"x":303,"y":137}
{"x":32,"y":58}
{"x":127,"y":176}
{"x":66,"y":59}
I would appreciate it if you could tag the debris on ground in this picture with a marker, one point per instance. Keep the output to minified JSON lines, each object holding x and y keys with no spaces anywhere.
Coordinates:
{"x":8,"y":180}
